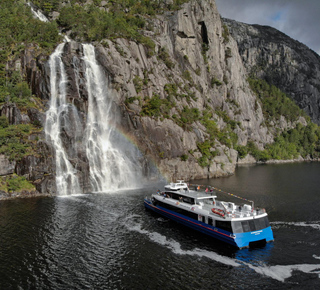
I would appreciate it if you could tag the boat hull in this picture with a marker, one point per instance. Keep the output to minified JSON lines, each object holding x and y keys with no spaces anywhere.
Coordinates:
{"x":239,"y":240}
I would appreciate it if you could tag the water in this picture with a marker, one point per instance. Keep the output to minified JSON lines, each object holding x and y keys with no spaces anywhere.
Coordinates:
{"x":114,"y":163}
{"x":107,"y":151}
{"x":37,"y":13}
{"x":109,"y":241}
{"x":57,"y":117}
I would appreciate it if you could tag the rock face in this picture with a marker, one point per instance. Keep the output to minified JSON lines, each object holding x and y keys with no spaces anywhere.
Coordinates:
{"x":288,"y":64}
{"x":182,"y":35}
{"x":6,"y":167}
{"x":193,"y":56}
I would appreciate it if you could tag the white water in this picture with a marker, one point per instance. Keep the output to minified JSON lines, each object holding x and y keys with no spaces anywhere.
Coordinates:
{"x":66,"y":178}
{"x":277,"y":272}
{"x":108,"y":152}
{"x":38,"y":14}
{"x":112,"y":160}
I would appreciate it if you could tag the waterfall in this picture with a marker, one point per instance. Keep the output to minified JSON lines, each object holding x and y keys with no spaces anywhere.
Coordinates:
{"x":37,"y":13}
{"x":112,"y":158}
{"x":56,"y":117}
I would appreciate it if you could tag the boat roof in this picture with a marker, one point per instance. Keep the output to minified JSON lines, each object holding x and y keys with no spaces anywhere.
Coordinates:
{"x":193,"y":194}
{"x":177,"y":184}
{"x":207,"y":197}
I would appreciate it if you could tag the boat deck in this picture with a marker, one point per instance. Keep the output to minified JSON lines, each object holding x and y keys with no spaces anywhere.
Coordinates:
{"x":205,"y":200}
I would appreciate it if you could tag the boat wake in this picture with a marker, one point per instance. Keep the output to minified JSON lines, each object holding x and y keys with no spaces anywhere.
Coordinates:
{"x":312,"y":224}
{"x":277,"y":272}
{"x":283,"y":272}
{"x":175,"y":246}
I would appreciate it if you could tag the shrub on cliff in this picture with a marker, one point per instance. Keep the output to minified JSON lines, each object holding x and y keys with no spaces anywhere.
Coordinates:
{"x":4,"y":123}
{"x":14,"y":141}
{"x":15,"y":183}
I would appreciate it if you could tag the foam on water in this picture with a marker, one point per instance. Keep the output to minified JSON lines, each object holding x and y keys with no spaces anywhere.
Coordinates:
{"x":283,"y":272}
{"x":312,"y":224}
{"x":277,"y":272}
{"x":175,"y":246}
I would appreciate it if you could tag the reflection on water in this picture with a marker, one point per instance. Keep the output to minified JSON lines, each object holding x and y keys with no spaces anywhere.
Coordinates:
{"x":109,"y":241}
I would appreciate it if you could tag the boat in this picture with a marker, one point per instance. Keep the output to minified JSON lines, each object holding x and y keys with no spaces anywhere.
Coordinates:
{"x":242,"y":226}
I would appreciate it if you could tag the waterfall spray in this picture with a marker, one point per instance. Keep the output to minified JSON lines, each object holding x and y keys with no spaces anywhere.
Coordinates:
{"x":110,"y":156}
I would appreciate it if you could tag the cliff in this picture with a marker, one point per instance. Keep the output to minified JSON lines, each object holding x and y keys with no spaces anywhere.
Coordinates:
{"x":288,"y":64}
{"x":186,"y":105}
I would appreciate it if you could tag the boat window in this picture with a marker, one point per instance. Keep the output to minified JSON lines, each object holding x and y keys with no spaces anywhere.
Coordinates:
{"x":250,"y":225}
{"x":178,"y":210}
{"x":266,"y":221}
{"x":175,"y":196}
{"x":263,"y":222}
{"x":237,"y":227}
{"x":245,"y":226}
{"x":201,"y":218}
{"x":260,"y":224}
{"x":188,"y":200}
{"x":224,"y":225}
{"x":210,"y":221}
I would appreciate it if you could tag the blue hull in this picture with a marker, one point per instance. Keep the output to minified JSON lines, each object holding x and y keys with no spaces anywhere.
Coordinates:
{"x":239,"y":240}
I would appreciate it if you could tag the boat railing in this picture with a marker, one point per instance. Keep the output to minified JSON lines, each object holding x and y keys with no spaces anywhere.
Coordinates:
{"x":232,"y":210}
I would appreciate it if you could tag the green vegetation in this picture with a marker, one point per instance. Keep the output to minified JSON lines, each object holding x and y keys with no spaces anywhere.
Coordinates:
{"x":138,"y":83}
{"x":207,"y":154}
{"x":184,"y":157}
{"x":165,"y":57}
{"x":15,"y":183}
{"x":14,"y":141}
{"x":274,"y":102}
{"x":228,"y":53}
{"x":18,"y":30}
{"x":204,"y":50}
{"x":185,"y":117}
{"x":225,"y":33}
{"x":302,"y":140}
{"x":119,"y":18}
{"x":156,"y":107}
{"x":215,"y":81}
{"x":290,"y":144}
{"x":144,"y":7}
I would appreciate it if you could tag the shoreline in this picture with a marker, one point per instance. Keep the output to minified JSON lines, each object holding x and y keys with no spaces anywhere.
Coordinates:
{"x":251,"y":160}
{"x":23,"y":194}
{"x":27,"y":194}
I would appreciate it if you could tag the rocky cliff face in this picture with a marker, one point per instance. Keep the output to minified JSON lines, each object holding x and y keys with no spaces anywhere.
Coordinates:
{"x":195,"y":66}
{"x":288,"y":64}
{"x":183,"y":35}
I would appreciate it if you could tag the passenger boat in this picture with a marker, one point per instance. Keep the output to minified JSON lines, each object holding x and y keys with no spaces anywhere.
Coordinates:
{"x":242,"y":226}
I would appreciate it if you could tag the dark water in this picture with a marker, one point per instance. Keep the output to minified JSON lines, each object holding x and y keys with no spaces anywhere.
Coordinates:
{"x":108,"y":241}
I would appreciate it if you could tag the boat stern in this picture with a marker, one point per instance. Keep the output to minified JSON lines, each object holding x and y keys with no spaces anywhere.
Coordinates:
{"x":248,"y":239}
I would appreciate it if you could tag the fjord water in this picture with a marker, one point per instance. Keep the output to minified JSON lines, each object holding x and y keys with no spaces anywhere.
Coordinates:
{"x":109,"y":241}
